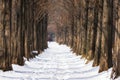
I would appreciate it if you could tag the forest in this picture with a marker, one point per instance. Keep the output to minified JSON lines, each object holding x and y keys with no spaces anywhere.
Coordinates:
{"x":23,"y":29}
{"x":90,"y":27}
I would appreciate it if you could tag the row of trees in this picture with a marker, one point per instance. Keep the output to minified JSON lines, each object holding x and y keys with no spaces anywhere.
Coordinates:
{"x":92,"y":29}
{"x":23,"y":28}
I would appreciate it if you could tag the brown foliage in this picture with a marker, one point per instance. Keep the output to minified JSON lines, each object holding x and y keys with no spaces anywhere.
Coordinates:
{"x":21,"y":30}
{"x":92,"y":31}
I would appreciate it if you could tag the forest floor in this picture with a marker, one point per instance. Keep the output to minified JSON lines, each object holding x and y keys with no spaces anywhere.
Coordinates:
{"x":57,"y":62}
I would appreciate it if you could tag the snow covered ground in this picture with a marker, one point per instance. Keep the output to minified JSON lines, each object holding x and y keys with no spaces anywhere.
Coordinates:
{"x":56,"y":63}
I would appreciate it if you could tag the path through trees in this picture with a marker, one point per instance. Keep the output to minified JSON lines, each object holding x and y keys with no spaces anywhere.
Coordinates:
{"x":90,"y":27}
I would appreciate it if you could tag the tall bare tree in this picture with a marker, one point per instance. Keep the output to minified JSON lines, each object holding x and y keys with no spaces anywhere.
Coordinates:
{"x":23,"y":29}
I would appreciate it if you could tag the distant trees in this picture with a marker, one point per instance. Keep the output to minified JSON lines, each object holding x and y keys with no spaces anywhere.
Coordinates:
{"x":23,"y":28}
{"x":93,"y":31}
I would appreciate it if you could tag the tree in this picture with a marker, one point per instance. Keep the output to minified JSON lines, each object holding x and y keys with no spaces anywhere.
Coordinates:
{"x":23,"y":29}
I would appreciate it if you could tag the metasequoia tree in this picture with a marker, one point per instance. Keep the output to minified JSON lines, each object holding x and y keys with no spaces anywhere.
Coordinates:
{"x":23,"y":28}
{"x":93,"y":31}
{"x":116,"y":41}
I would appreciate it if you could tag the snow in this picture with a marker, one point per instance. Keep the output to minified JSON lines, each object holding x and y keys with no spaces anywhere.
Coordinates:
{"x":35,"y":52}
{"x":57,"y":62}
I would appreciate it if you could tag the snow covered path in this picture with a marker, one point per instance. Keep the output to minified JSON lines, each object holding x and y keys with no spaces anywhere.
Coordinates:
{"x":55,"y":63}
